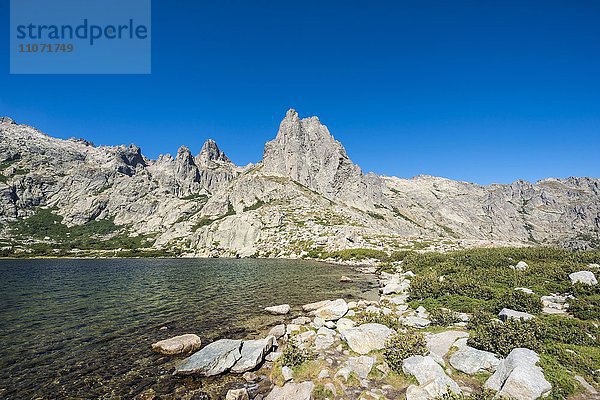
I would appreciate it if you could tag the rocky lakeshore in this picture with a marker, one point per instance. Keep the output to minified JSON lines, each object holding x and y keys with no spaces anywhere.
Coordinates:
{"x":393,"y":349}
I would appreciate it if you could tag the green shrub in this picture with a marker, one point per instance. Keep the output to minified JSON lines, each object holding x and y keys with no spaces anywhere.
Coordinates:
{"x":293,"y":356}
{"x":487,"y":394}
{"x":570,"y":330}
{"x":519,"y":301}
{"x":453,"y":302}
{"x":586,"y":308}
{"x":443,"y":317}
{"x":563,"y":384}
{"x":501,"y":337}
{"x":583,"y":360}
{"x":403,"y":345}
{"x":389,"y":320}
{"x":425,"y":285}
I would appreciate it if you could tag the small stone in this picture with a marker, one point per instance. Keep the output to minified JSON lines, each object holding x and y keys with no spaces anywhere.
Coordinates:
{"x":585,"y":277}
{"x":524,"y":290}
{"x":521,"y":266}
{"x":323,"y":374}
{"x":292,"y":328}
{"x":292,"y":391}
{"x":318,"y":322}
{"x":301,"y":320}
{"x":277,"y":331}
{"x":250,"y":376}
{"x":331,"y":388}
{"x":507,"y":313}
{"x":345,"y":279}
{"x":273,"y":356}
{"x":237,"y":394}
{"x":287,"y":373}
{"x":330,"y":324}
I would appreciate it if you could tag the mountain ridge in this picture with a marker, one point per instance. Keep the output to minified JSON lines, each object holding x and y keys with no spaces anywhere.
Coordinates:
{"x":304,"y":196}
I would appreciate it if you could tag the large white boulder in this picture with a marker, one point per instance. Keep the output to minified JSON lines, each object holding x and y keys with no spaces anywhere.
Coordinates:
{"x":332,"y":311}
{"x":433,"y":381}
{"x":253,"y":353}
{"x":439,"y":344}
{"x":182,"y":344}
{"x":361,"y":366}
{"x":518,"y":376}
{"x":214,"y":359}
{"x":292,"y":391}
{"x":365,"y":338}
{"x":507,"y":313}
{"x":585,"y":277}
{"x":470,"y":360}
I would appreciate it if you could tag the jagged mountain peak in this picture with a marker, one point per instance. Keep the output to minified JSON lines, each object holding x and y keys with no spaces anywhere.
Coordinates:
{"x":7,"y":120}
{"x":211,"y":152}
{"x":305,"y":151}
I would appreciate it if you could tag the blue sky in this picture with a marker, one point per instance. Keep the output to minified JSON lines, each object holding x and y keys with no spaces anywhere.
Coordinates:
{"x":482,"y":91}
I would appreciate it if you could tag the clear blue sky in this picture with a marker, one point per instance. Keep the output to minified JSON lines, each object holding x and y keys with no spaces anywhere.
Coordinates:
{"x":482,"y":91}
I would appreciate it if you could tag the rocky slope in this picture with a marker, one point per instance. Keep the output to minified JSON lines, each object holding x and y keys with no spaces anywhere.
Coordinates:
{"x":305,"y":195}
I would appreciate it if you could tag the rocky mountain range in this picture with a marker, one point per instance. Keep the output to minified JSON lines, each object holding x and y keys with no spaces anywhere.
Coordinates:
{"x":304,"y":197}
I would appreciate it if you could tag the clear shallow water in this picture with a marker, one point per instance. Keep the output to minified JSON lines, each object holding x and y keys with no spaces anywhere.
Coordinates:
{"x":83,"y":328}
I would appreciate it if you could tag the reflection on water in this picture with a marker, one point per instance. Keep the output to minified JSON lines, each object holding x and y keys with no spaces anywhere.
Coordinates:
{"x":83,"y":328}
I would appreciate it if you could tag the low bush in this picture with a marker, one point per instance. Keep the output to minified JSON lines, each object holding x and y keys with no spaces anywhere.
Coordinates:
{"x":585,"y":308}
{"x":403,"y":345}
{"x":501,"y":337}
{"x":293,"y":356}
{"x":443,"y":317}
{"x":389,"y":320}
{"x":486,"y":394}
{"x":519,"y":301}
{"x":570,"y":331}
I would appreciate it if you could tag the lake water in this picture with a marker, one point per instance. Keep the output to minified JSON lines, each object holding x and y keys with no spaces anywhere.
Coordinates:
{"x":83,"y":328}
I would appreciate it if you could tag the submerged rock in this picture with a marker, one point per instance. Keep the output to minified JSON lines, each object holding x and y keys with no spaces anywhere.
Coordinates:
{"x":278,"y":310}
{"x":253,"y":352}
{"x":519,"y":377}
{"x":292,"y":391}
{"x":366,"y":338}
{"x":182,"y":344}
{"x":214,"y":359}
